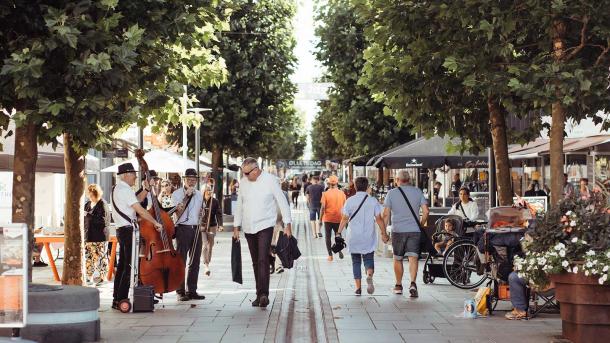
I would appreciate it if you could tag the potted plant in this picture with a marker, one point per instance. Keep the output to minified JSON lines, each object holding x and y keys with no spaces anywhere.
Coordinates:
{"x":570,"y":247}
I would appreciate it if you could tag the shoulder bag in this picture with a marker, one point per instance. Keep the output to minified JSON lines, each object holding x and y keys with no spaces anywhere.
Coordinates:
{"x":424,"y":241}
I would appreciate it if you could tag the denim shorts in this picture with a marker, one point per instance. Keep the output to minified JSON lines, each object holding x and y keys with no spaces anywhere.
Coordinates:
{"x":314,"y":213}
{"x":405,"y":244}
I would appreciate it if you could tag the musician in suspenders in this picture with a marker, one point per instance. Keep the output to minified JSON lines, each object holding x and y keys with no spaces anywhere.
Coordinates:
{"x":125,"y":206}
{"x":189,"y":202}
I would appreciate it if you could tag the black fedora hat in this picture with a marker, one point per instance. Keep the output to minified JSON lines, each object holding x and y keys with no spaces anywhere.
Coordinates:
{"x":190,"y":172}
{"x":126,"y":168}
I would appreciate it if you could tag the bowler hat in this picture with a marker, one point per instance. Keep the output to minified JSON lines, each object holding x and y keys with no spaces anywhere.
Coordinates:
{"x":126,"y":168}
{"x":190,"y":172}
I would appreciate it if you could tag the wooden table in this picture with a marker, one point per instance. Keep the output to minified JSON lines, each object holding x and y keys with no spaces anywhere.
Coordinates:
{"x":46,"y":241}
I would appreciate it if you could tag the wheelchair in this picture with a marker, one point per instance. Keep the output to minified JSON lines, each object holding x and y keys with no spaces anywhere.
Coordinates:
{"x":460,"y":261}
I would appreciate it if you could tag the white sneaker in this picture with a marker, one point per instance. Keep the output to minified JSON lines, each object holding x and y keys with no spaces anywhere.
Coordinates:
{"x":370,"y":289}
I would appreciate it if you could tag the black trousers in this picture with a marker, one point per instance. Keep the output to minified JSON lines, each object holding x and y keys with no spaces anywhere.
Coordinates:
{"x":328,"y":227}
{"x":260,"y":244}
{"x":295,"y":197}
{"x":185,"y":235}
{"x":123,"y":270}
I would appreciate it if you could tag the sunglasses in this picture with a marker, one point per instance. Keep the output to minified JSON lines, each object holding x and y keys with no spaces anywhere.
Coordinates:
{"x":251,"y":170}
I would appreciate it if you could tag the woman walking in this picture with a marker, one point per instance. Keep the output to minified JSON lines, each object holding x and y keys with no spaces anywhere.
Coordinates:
{"x":97,"y":224}
{"x":295,"y":189}
{"x":212,"y":222}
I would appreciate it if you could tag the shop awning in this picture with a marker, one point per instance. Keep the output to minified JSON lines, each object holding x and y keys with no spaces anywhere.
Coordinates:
{"x":429,"y":153}
{"x":49,"y":160}
{"x":541,"y":146}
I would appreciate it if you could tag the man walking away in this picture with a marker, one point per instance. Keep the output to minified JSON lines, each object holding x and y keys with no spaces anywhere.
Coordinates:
{"x":314,"y":198}
{"x":259,"y":196}
{"x":362,"y":212}
{"x":405,"y":227}
{"x":330,"y":212}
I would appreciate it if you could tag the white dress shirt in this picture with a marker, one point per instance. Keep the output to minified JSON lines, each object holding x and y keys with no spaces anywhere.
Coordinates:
{"x":123,"y":197}
{"x":471,"y":210}
{"x":190,"y":216}
{"x":257,"y":204}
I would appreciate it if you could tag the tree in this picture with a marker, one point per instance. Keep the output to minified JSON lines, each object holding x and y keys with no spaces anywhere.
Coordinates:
{"x":83,"y":70}
{"x":357,"y":123}
{"x":252,"y":106}
{"x":323,"y":144}
{"x":422,"y":66}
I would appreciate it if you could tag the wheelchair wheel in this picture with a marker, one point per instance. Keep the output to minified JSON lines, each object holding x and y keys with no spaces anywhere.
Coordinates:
{"x":460,"y":265}
{"x":428,"y":278}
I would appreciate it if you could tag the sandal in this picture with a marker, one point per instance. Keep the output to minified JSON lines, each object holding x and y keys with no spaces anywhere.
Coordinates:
{"x":516,"y":315}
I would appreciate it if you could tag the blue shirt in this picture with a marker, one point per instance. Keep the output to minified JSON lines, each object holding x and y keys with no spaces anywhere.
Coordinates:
{"x":402,"y":218}
{"x":361,"y":235}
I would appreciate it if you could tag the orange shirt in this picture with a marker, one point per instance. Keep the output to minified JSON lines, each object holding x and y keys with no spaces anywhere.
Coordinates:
{"x":332,"y":201}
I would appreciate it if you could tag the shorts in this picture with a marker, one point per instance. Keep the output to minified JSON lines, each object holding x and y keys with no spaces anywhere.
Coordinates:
{"x":314,"y":213}
{"x":405,"y":244}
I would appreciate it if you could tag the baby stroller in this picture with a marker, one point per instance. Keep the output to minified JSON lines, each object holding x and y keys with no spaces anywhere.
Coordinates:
{"x":460,"y":260}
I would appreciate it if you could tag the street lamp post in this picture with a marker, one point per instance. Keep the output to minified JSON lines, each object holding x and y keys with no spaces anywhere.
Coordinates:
{"x":198,"y":111}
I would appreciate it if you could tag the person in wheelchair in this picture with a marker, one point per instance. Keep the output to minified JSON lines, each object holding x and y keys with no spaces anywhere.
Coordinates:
{"x":444,"y":239}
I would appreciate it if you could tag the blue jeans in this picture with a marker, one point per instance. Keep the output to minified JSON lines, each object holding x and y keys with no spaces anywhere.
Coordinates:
{"x":357,"y":259}
{"x":518,"y":291}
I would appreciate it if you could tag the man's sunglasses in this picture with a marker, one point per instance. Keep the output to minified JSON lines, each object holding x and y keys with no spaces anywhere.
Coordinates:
{"x":251,"y":170}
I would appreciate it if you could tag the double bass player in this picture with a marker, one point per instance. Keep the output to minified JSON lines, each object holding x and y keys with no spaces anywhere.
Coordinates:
{"x":125,"y":206}
{"x":189,"y":202}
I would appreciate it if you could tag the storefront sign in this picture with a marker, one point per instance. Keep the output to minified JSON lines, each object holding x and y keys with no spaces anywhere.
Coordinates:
{"x":540,"y":204}
{"x":116,"y":153}
{"x":413,"y":163}
{"x":300,"y":164}
{"x":13,"y":275}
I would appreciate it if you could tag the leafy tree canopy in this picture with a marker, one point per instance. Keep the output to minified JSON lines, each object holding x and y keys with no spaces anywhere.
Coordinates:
{"x":89,"y":68}
{"x":254,"y":108}
{"x":358,"y":124}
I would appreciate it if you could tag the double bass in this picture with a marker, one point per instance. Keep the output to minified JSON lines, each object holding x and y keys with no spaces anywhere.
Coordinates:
{"x":161,"y":266}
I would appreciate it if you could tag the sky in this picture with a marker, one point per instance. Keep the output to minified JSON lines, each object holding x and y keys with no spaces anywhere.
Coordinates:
{"x":308,"y":70}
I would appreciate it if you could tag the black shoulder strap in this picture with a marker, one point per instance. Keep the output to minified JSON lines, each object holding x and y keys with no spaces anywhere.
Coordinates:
{"x":359,"y":207}
{"x":462,"y":209}
{"x":117,"y":209}
{"x":411,"y":208}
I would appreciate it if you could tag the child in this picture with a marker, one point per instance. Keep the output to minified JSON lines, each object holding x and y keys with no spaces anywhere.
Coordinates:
{"x":447,"y":237}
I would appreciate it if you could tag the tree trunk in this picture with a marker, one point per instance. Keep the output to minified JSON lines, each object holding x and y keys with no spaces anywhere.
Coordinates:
{"x":500,"y":146}
{"x":558,"y":118}
{"x":350,"y":172}
{"x":24,"y":182}
{"x":217,"y":171}
{"x":75,"y":188}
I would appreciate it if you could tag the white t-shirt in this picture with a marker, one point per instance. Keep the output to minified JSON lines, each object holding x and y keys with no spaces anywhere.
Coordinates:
{"x":471,"y":210}
{"x":123,"y":197}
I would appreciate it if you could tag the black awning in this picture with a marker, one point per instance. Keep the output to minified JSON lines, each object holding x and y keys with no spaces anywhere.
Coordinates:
{"x":429,"y":153}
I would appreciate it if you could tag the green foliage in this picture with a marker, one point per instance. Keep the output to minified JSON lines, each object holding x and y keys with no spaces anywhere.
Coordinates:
{"x":572,"y":236}
{"x":350,"y":123}
{"x":89,"y":68}
{"x":252,"y":113}
{"x":436,"y":65}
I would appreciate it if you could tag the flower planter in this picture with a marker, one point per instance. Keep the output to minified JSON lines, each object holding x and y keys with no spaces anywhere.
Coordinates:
{"x":585,"y":307}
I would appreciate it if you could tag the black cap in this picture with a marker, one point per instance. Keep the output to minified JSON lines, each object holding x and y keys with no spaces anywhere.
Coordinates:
{"x":190,"y":172}
{"x":126,"y":168}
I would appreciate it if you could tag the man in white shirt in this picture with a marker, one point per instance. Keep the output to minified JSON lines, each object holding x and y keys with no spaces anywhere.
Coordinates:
{"x":125,"y":206}
{"x":189,"y":202}
{"x":256,"y":213}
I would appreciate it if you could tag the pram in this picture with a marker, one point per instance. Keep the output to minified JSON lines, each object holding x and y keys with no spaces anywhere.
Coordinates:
{"x":460,"y":260}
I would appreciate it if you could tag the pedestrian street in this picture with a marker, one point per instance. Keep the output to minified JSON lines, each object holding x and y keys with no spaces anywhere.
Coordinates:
{"x":313,"y":302}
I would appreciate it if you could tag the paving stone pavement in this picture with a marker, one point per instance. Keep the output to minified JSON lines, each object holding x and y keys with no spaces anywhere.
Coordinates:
{"x":226,"y":314}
